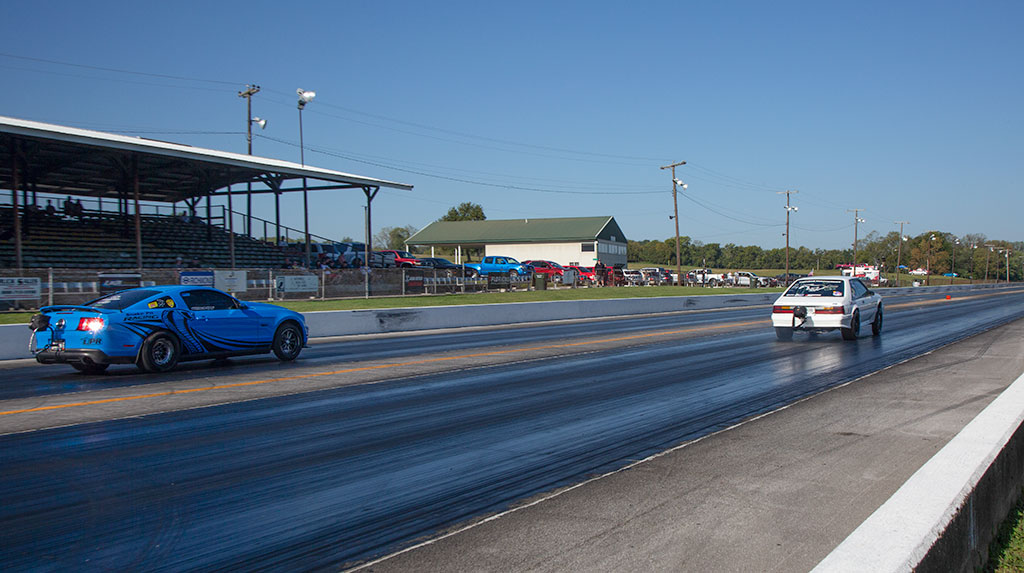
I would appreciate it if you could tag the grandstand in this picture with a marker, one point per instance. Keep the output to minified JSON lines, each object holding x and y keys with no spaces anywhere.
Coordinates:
{"x":106,"y":241}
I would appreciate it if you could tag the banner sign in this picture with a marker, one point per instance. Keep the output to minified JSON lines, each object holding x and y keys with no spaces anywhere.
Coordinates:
{"x":230,"y":281}
{"x":113,"y":282}
{"x":299,"y":283}
{"x":20,"y":288}
{"x":196,"y":278}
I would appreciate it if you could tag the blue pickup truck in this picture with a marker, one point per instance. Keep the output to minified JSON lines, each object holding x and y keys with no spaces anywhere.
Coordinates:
{"x":498,"y":265}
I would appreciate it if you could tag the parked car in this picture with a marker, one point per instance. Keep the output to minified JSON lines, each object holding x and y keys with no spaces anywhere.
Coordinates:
{"x":498,"y":265}
{"x":353,"y":253}
{"x":157,"y":327}
{"x":749,"y":279}
{"x":657,"y":275}
{"x":403,"y":259}
{"x":705,"y":277}
{"x":552,"y":270}
{"x":584,"y":274}
{"x":633,"y":277}
{"x":438,"y":263}
{"x":827,"y":303}
{"x":382,"y":260}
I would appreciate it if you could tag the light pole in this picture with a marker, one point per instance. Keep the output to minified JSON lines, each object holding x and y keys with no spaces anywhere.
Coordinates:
{"x":856,"y":220}
{"x":952,"y":267}
{"x":899,"y":249}
{"x":928,"y":263}
{"x":789,"y":209}
{"x":250,"y":90}
{"x":304,"y":98}
{"x":675,"y":210}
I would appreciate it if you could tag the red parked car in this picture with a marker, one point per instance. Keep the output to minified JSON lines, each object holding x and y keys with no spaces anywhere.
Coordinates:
{"x":551,"y":269}
{"x":585,"y":274}
{"x":403,"y":258}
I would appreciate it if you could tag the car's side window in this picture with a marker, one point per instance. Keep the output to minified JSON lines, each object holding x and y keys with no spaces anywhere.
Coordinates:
{"x":859,"y":290}
{"x":202,"y":299}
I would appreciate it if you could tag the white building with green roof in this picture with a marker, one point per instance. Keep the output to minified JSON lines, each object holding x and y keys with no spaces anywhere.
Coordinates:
{"x":567,"y":241}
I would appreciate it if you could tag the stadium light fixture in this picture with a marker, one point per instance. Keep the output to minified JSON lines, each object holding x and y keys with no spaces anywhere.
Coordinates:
{"x":260,"y":122}
{"x":304,"y":98}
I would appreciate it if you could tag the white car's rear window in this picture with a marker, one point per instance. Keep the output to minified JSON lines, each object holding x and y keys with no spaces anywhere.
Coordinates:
{"x":816,"y":288}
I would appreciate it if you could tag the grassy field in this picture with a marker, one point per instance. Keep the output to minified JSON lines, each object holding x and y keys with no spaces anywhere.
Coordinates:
{"x":1006,"y":553}
{"x":473,"y":298}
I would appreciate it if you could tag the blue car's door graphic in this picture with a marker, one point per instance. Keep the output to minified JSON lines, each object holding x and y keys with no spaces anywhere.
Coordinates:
{"x":219,"y":324}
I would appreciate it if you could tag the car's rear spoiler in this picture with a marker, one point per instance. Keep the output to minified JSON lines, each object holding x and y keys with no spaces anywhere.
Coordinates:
{"x":66,"y":307}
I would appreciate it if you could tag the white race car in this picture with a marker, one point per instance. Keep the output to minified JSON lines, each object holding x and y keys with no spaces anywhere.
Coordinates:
{"x":819,"y":304}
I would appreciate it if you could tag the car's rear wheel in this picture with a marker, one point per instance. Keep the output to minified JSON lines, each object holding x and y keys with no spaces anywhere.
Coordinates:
{"x":854,"y":331}
{"x":876,"y":324}
{"x":90,"y":368}
{"x":783,"y":333}
{"x":160,"y":352}
{"x":287,"y":342}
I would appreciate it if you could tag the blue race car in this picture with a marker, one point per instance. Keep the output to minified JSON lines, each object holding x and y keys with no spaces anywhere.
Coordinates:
{"x":156,"y":327}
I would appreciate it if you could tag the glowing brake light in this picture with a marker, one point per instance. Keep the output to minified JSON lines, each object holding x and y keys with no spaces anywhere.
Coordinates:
{"x":783,"y":309}
{"x":92,"y":324}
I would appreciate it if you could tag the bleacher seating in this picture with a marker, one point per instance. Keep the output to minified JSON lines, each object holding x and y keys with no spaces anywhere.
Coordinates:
{"x":103,"y":241}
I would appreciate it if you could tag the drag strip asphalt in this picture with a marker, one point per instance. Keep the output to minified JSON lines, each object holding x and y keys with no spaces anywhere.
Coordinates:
{"x":337,"y":459}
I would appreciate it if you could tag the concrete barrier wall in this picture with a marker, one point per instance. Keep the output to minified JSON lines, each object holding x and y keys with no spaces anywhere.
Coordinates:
{"x":945,"y":515}
{"x":14,"y":338}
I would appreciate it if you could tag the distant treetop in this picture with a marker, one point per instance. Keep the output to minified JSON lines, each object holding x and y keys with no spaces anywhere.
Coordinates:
{"x":465,"y":212}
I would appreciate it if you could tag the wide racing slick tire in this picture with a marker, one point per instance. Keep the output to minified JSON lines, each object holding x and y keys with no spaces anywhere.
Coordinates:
{"x":783,"y":333}
{"x":90,"y":368}
{"x":287,"y":342}
{"x":160,"y":352}
{"x":876,"y":324}
{"x":854,"y":331}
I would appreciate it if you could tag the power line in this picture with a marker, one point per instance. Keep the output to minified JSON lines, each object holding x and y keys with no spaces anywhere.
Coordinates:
{"x":119,"y":71}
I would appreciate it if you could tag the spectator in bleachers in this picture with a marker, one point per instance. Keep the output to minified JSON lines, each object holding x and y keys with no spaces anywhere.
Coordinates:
{"x":50,"y":209}
{"x":179,"y":262}
{"x":79,"y":210}
{"x":69,"y":207}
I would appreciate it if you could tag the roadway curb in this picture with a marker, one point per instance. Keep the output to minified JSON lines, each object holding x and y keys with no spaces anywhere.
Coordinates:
{"x":944,"y":517}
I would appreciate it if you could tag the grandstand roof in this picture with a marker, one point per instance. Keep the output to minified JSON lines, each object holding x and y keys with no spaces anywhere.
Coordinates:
{"x":68,"y":160}
{"x":552,"y":230}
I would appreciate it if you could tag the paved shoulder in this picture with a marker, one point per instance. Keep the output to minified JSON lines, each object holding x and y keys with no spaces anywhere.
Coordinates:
{"x":776,"y":493}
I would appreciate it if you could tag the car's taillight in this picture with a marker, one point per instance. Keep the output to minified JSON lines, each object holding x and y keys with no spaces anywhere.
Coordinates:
{"x":92,"y":324}
{"x":829,"y":310}
{"x":783,"y":309}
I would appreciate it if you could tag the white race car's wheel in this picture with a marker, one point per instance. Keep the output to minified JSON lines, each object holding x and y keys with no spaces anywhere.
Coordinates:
{"x":854,"y":331}
{"x":876,"y":325}
{"x":783,"y":333}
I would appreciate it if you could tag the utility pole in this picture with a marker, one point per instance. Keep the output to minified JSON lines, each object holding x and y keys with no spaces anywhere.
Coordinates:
{"x":952,"y":269}
{"x":856,"y":220}
{"x":899,"y":249}
{"x":250,"y":90}
{"x":675,"y":210}
{"x":788,"y":210}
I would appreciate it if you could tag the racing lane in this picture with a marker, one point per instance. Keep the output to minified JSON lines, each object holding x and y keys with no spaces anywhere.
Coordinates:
{"x":317,"y":479}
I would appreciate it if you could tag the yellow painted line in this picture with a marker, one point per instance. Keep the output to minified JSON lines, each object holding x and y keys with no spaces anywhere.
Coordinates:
{"x":382,"y":366}
{"x":445,"y":359}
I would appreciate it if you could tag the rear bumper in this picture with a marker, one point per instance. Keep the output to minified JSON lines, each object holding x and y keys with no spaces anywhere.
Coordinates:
{"x":813,"y":322}
{"x":80,"y":356}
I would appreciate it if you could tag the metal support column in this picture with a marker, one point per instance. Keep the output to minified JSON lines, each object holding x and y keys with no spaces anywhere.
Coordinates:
{"x":231,"y":227}
{"x":14,"y":205}
{"x":138,"y":216}
{"x":370,"y":192}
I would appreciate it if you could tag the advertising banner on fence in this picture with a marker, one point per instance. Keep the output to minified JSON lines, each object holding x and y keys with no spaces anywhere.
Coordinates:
{"x":230,"y":281}
{"x":300,"y":283}
{"x":113,"y":282}
{"x":20,"y":288}
{"x":196,"y":278}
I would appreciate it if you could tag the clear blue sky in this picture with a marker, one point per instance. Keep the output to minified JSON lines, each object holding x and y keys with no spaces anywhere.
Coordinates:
{"x":908,"y":110}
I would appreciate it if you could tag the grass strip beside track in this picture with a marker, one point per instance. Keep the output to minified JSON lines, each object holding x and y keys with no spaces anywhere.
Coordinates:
{"x":475,"y":298}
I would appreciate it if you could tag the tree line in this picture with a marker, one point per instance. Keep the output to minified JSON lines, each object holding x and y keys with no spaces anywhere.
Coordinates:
{"x":967,"y":256}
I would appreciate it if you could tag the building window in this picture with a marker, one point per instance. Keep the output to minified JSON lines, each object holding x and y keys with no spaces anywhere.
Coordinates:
{"x":587,"y":247}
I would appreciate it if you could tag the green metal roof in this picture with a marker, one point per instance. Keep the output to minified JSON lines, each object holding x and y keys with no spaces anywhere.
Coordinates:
{"x":479,"y":233}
